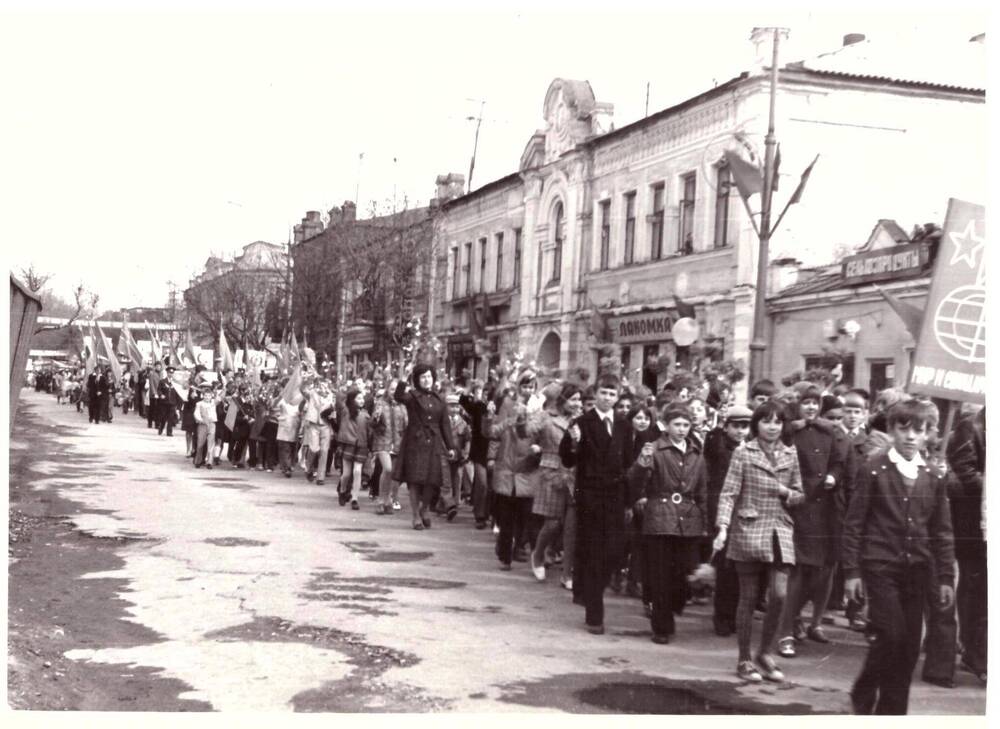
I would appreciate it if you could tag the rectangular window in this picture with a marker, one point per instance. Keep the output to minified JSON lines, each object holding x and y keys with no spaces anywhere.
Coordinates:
{"x":685,"y":238}
{"x":723,"y":189}
{"x":482,"y":265}
{"x":517,"y":258}
{"x":656,"y":224}
{"x":467,"y":268}
{"x":499,"y":286}
{"x":605,"y":234}
{"x":650,"y":354}
{"x":626,"y":362}
{"x":455,"y":268}
{"x":557,"y":250}
{"x":629,"y":228}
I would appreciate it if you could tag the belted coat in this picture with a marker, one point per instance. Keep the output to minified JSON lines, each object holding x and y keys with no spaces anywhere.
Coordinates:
{"x":751,"y":508}
{"x":675,"y":486}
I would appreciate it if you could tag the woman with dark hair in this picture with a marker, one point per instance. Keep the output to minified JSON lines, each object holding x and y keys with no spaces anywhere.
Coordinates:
{"x":354,"y":438}
{"x":562,"y":404}
{"x":762,"y":482}
{"x":427,"y":443}
{"x":645,"y":430}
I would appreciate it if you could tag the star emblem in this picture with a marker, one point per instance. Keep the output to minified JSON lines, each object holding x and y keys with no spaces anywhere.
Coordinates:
{"x":967,"y":245}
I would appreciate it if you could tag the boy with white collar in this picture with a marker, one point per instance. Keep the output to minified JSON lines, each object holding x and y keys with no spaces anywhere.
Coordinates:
{"x":898,"y":538}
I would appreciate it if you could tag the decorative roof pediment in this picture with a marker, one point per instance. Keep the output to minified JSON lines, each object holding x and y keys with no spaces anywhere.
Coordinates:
{"x":572,"y":115}
{"x":885,"y":234}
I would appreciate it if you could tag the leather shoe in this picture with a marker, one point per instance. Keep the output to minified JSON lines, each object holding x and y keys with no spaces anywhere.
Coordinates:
{"x":786,"y":647}
{"x":595,"y":629}
{"x":799,"y":630}
{"x":817,"y":635}
{"x":661,"y":638}
{"x":943,"y":682}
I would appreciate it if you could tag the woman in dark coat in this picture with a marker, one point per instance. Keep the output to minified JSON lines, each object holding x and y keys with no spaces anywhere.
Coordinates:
{"x":427,"y":442}
{"x":188,"y":425}
{"x":823,"y":452}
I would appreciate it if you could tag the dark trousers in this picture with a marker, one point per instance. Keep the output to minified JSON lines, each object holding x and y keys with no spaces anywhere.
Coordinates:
{"x":480,"y":492}
{"x":600,"y":527}
{"x":940,"y":641}
{"x":94,"y":409}
{"x":727,"y":592}
{"x":896,"y":598}
{"x":152,"y":413}
{"x":972,"y":612}
{"x":164,"y":417}
{"x":668,"y":559}
{"x":512,"y":516}
{"x":286,"y":455}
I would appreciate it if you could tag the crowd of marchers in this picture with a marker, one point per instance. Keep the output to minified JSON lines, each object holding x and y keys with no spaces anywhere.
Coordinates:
{"x":804,"y":496}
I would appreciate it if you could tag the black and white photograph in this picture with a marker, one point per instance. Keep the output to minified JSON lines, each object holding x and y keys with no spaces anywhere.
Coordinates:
{"x":494,"y":359}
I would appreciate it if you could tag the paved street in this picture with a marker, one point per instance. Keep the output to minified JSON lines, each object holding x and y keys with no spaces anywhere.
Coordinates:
{"x":248,"y":591}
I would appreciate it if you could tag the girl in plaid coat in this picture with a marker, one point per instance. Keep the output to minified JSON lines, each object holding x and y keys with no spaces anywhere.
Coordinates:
{"x":762,"y":482}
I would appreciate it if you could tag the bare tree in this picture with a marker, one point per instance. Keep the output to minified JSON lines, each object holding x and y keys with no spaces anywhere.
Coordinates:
{"x":33,"y":279}
{"x":84,"y":305}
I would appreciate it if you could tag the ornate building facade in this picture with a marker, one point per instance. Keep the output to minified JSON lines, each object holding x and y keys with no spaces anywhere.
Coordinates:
{"x":624,"y":220}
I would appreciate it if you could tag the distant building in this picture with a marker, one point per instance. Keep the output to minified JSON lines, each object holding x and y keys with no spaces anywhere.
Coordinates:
{"x":356,"y":282}
{"x":625,"y":219}
{"x":248,"y":294}
{"x":835,"y":313}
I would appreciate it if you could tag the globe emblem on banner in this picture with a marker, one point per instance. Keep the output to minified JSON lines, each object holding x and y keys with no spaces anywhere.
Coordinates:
{"x":960,"y":324}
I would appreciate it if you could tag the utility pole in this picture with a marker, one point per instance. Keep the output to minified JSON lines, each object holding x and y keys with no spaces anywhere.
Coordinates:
{"x":647,"y":99}
{"x":357,"y":187}
{"x":758,"y":343}
{"x":475,"y":144}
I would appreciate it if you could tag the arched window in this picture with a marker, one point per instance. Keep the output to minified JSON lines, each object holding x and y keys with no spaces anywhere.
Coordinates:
{"x":559,"y":235}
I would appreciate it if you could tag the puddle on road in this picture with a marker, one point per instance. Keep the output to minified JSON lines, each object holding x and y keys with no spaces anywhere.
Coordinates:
{"x":636,"y":693}
{"x":236,"y":542}
{"x":237,"y":485}
{"x":360,"y":691}
{"x":399,"y":556}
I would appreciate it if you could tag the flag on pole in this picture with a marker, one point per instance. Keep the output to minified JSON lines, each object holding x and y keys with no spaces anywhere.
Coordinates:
{"x":155,"y":344}
{"x":684,"y":309}
{"x":307,"y":353}
{"x":599,"y":327}
{"x":797,"y":195}
{"x":292,"y":393}
{"x":777,"y":168}
{"x":746,"y":175}
{"x":912,"y":316}
{"x":189,"y":348}
{"x":90,"y":363}
{"x":134,"y":353}
{"x":226,"y":361}
{"x":294,"y":347}
{"x":122,"y":347}
{"x":116,"y":367}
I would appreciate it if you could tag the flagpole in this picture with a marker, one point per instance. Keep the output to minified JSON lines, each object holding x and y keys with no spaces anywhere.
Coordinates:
{"x":758,"y":344}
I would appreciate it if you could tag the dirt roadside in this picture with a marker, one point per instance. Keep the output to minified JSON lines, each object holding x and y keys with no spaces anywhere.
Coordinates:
{"x":51,"y":610}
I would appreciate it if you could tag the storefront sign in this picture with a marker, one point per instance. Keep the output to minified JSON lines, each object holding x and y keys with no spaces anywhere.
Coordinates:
{"x":950,"y":361}
{"x":886,"y":263}
{"x":646,"y":327}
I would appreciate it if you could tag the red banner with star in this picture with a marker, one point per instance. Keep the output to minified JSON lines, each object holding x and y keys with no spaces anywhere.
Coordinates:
{"x":950,"y":361}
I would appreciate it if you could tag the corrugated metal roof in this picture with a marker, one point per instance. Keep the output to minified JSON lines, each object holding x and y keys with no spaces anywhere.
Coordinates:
{"x":947,"y":65}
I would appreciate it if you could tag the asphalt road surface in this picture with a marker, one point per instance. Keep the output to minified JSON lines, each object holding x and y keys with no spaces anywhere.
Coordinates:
{"x":138,"y":582}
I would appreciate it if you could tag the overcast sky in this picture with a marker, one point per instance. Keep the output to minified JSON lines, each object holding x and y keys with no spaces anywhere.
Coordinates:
{"x":134,"y":144}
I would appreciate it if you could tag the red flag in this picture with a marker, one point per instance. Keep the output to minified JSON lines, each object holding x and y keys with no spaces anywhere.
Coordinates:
{"x":797,"y":195}
{"x":684,"y":309}
{"x":226,"y":361}
{"x":155,"y":343}
{"x":116,"y":367}
{"x":189,"y":348}
{"x":292,"y":393}
{"x":599,"y":327}
{"x":746,"y":175}
{"x":912,"y":316}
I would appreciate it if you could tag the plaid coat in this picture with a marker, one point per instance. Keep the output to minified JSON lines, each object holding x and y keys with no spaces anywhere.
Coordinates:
{"x":751,"y":492}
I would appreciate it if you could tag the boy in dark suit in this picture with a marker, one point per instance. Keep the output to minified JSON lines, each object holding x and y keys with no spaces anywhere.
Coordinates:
{"x":599,"y":444}
{"x":898,"y":539}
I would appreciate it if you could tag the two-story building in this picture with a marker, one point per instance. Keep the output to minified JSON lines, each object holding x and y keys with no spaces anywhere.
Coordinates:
{"x":623,"y":220}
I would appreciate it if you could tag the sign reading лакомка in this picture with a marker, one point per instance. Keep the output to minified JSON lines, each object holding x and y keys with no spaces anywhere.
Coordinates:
{"x":646,"y":327}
